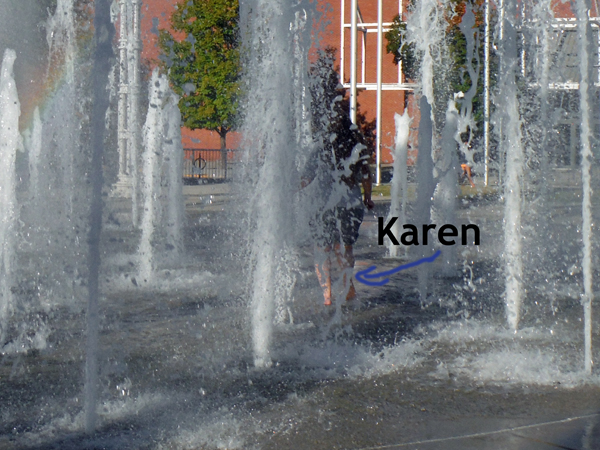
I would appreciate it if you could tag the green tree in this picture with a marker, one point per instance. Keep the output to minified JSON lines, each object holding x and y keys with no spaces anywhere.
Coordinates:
{"x":454,"y":77}
{"x":460,"y":79}
{"x":402,"y":51}
{"x":201,"y":56}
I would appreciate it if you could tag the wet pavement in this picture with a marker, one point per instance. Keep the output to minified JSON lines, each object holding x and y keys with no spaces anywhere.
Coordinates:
{"x":396,"y":371}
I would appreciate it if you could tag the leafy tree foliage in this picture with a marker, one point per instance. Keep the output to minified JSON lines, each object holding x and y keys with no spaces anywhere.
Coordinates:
{"x":402,"y":51}
{"x":201,"y":54}
{"x":460,"y":79}
{"x":455,"y":77}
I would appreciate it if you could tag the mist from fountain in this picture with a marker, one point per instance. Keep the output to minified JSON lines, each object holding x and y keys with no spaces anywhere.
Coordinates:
{"x":53,"y":221}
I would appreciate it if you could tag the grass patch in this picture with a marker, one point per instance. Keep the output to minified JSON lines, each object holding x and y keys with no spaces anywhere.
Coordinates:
{"x":384,"y":190}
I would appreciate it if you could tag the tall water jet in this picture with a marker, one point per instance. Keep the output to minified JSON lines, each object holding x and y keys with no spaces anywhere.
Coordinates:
{"x":301,"y":99}
{"x":425,"y":30}
{"x":63,"y":53}
{"x":134,"y":47}
{"x":103,"y":33}
{"x":399,"y":189}
{"x":35,"y":152}
{"x":153,"y":140}
{"x":585,"y":68}
{"x":447,"y":190}
{"x":512,"y":143}
{"x":173,"y":162}
{"x":543,"y":16}
{"x":10,"y":141}
{"x":268,"y":131}
{"x":466,"y":121}
{"x":123,"y":183}
{"x":162,"y":184}
{"x":60,"y":35}
{"x":425,"y":187}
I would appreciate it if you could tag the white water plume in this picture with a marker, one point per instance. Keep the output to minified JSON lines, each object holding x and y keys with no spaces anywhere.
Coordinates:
{"x":269,"y":134}
{"x":153,"y":139}
{"x":400,"y":178}
{"x":162,"y":186}
{"x":466,"y":121}
{"x":426,"y":30}
{"x":511,"y":141}
{"x":10,"y":141}
{"x":543,"y":16}
{"x":425,"y":187}
{"x":134,"y":46}
{"x":35,"y":152}
{"x":447,"y":190}
{"x":585,"y":69}
{"x":60,"y":35}
{"x":173,"y":168}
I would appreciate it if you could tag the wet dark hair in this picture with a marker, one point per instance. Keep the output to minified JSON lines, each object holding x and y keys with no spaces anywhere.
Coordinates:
{"x":335,"y":133}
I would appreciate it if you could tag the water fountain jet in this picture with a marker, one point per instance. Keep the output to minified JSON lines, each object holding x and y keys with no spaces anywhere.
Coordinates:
{"x":268,"y":127}
{"x":582,"y":8}
{"x":399,"y":189}
{"x":10,"y":141}
{"x":512,"y":143}
{"x":103,"y":53}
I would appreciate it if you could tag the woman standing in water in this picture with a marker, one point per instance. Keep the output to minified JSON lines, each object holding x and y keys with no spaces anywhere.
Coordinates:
{"x":339,"y":166}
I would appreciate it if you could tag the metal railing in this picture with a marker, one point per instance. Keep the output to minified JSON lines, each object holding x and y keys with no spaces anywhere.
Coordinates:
{"x":208,"y":165}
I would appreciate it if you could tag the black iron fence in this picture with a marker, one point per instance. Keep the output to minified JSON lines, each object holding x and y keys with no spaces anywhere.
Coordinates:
{"x":209,"y":165}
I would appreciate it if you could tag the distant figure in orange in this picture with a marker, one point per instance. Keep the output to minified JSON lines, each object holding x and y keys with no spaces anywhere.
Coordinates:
{"x":467,"y":171}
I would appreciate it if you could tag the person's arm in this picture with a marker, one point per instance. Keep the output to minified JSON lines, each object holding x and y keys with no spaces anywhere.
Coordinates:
{"x":367,"y":184}
{"x":308,"y":174}
{"x":304,"y":182}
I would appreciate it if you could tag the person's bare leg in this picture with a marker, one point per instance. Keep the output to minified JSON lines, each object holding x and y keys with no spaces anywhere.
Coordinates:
{"x":346,"y":261}
{"x":324,"y":275}
{"x":467,"y":171}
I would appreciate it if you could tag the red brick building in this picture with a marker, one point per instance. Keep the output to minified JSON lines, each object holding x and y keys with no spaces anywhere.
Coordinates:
{"x":335,"y":24}
{"x":156,"y":15}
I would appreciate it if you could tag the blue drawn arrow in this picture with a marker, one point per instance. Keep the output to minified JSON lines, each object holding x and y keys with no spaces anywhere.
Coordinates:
{"x":364,"y":274}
